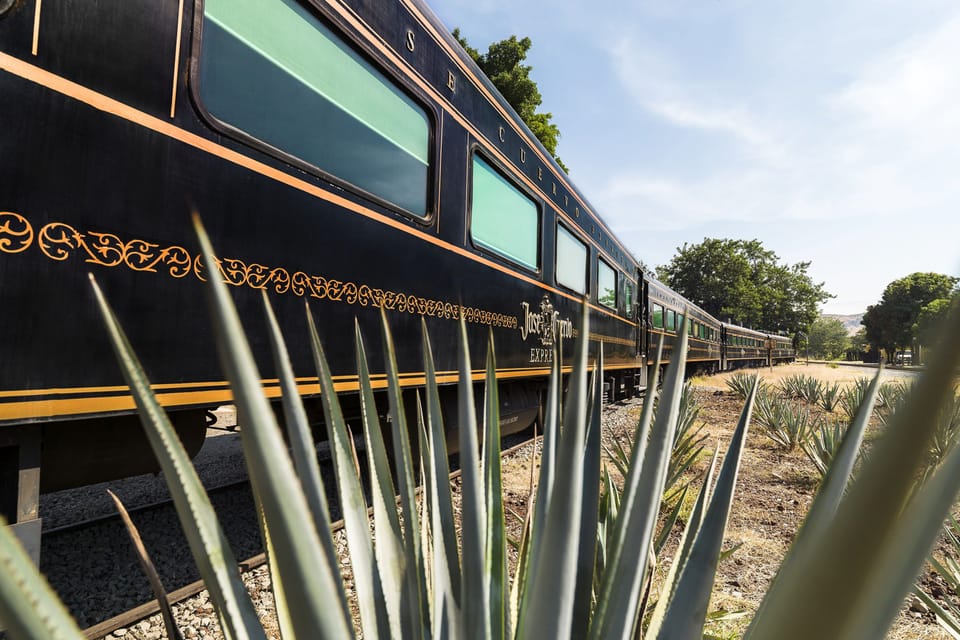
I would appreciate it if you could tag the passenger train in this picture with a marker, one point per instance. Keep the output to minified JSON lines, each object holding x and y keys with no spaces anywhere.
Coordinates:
{"x":347,"y":153}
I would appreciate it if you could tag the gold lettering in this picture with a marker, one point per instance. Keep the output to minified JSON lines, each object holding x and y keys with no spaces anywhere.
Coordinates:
{"x":501,"y":134}
{"x":565,"y":201}
{"x":554,"y":188}
{"x":523,"y":155}
{"x":539,"y":173}
{"x":451,"y":81}
{"x":411,"y":45}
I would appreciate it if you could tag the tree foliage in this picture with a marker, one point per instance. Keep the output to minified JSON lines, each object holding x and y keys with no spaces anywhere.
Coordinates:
{"x":828,"y":338}
{"x":890,"y":322}
{"x":741,"y":281}
{"x":931,"y":318}
{"x":503,"y":64}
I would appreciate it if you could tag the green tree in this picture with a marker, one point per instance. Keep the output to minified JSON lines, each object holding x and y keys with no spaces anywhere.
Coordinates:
{"x":931,"y":319}
{"x":889,"y":323}
{"x":741,"y":281}
{"x":828,"y":338}
{"x":503,"y":64}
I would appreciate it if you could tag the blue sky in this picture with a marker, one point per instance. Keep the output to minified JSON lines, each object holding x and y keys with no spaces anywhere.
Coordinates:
{"x":829,"y":131}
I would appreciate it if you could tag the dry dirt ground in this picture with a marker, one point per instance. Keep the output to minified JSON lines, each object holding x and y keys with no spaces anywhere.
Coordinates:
{"x":773,"y":494}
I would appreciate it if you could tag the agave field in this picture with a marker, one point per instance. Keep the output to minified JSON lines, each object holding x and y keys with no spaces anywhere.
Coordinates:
{"x":779,"y":480}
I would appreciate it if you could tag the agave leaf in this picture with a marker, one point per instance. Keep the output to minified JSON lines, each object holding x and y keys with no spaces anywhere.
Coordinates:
{"x":634,"y":461}
{"x":298,"y":551}
{"x":688,"y":608}
{"x":827,"y":584}
{"x":683,"y":549}
{"x":277,"y":580}
{"x":29,"y":608}
{"x":446,"y":565}
{"x":304,"y":457}
{"x":476,"y":615}
{"x":947,"y":619}
{"x":495,"y":559}
{"x":388,"y":549}
{"x":208,"y":544}
{"x":619,"y":599}
{"x":671,"y":520}
{"x":548,"y":612}
{"x":149,"y":569}
{"x":551,"y":436}
{"x":415,"y":597}
{"x":352,"y":503}
{"x":902,"y":559}
{"x":837,"y":478}
{"x":590,"y":500}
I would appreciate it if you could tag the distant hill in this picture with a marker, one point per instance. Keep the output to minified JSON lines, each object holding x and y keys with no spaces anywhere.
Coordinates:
{"x":851,"y":322}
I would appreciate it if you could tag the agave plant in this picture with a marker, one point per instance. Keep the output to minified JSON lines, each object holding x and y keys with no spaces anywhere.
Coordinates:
{"x":830,"y":396}
{"x":413,"y":579}
{"x":854,"y":396}
{"x":792,"y":386}
{"x":848,"y":570}
{"x":810,"y":389}
{"x":948,"y":568}
{"x":741,"y":384}
{"x":787,"y":424}
{"x":823,"y":443}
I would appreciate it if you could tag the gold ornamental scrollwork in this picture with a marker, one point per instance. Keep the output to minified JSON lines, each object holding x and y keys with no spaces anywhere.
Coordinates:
{"x":59,"y":241}
{"x":16,"y":232}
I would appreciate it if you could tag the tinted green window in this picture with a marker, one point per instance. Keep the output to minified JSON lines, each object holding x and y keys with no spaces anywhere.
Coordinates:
{"x":690,"y":328}
{"x":571,"y":261}
{"x":607,"y":285}
{"x":657,"y":316}
{"x":671,"y":320}
{"x":503,"y":219}
{"x":628,"y":297}
{"x":272,"y":70}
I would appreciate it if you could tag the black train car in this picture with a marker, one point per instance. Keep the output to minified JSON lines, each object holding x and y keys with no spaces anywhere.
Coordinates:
{"x":744,"y":347}
{"x":664,"y":316}
{"x":346,"y":154}
{"x":781,"y":349}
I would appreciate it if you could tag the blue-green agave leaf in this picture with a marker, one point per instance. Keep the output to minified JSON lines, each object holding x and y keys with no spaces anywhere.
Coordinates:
{"x":298,"y":551}
{"x":495,"y":558}
{"x":619,"y":600}
{"x":208,"y":544}
{"x":475,"y":616}
{"x":352,"y":503}
{"x":29,"y":608}
{"x":388,"y":548}
{"x":688,"y":607}
{"x":547,"y":612}
{"x":302,"y":447}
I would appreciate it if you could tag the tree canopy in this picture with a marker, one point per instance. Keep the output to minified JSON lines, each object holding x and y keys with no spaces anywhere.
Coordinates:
{"x":890,"y":322}
{"x":828,"y":338}
{"x":503,"y":64}
{"x":741,"y":281}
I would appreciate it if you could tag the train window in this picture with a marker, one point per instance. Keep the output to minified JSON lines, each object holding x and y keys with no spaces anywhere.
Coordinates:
{"x":679,"y":322}
{"x":272,"y":70}
{"x":503,"y":218}
{"x":628,"y":297}
{"x":606,"y":285}
{"x":571,"y":261}
{"x":690,"y":328}
{"x":657,"y":316}
{"x":671,"y":324}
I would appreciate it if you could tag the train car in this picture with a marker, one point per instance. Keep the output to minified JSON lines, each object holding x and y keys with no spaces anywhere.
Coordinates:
{"x":341,"y":153}
{"x":664,"y":314}
{"x":781,"y":349}
{"x":743,"y":347}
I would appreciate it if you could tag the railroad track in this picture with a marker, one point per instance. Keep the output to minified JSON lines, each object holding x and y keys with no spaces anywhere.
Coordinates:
{"x":138,"y":613}
{"x":139,"y":509}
